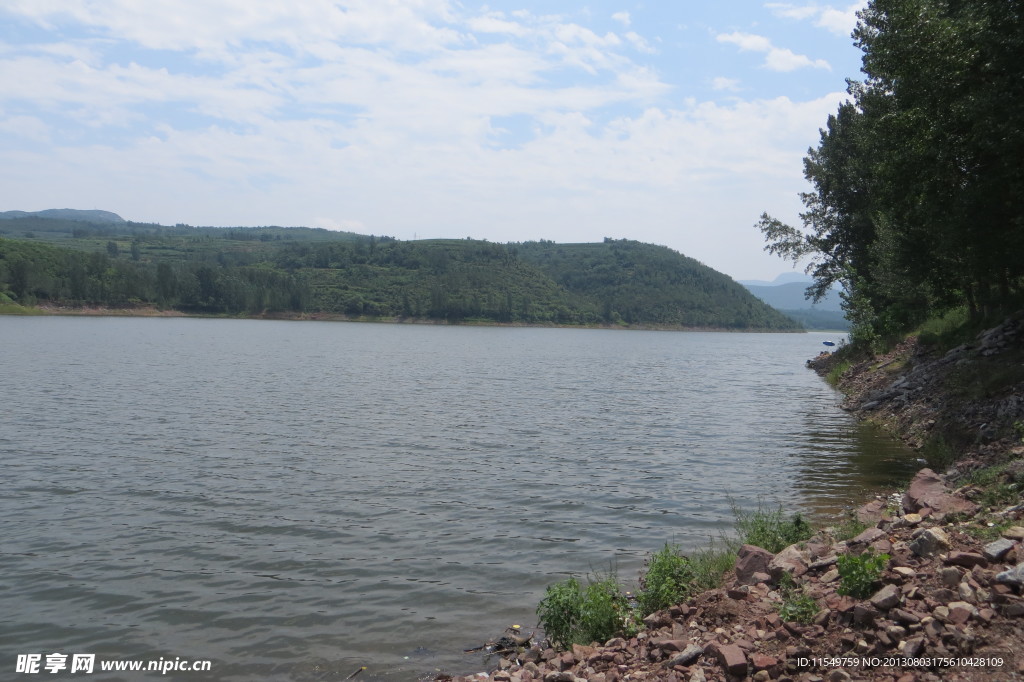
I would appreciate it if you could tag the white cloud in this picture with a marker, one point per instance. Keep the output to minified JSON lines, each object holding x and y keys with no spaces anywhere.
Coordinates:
{"x":723,"y":83}
{"x":776,"y":58}
{"x":840,"y":21}
{"x":622,"y":18}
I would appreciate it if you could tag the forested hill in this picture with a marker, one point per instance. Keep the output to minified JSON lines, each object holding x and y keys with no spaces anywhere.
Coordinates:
{"x":277,"y":270}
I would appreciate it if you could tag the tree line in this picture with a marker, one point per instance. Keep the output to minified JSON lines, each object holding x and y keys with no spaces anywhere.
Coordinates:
{"x":917,"y":181}
{"x":618,"y":282}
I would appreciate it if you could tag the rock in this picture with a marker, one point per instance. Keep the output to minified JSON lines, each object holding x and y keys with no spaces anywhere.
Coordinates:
{"x":928,"y":490}
{"x":867,"y":537}
{"x":912,"y":519}
{"x":1014,"y":533}
{"x":791,"y":560}
{"x":658,"y":619}
{"x":750,"y":560}
{"x":829,"y":577}
{"x":905,"y":617}
{"x":582,"y":653}
{"x":1013,"y":576}
{"x":929,"y":542}
{"x":904,"y":571}
{"x":687,"y":655}
{"x":731,"y":658}
{"x":886,"y":598}
{"x":838,"y":675}
{"x":966,"y":559}
{"x":950,"y":576}
{"x":995,"y":551}
{"x":961,"y":612}
{"x":871,"y":512}
{"x":912,"y":647}
{"x":670,"y":644}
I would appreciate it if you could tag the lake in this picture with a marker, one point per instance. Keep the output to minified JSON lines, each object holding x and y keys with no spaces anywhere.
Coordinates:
{"x":295,"y":500}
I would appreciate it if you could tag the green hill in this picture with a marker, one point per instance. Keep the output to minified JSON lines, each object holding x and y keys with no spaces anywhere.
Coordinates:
{"x":253,"y":271}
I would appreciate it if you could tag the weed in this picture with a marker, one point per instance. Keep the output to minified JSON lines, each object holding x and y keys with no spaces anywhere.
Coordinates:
{"x":859,"y":575}
{"x":797,"y":605}
{"x":769,"y":529}
{"x":938,"y":452}
{"x":836,"y":373}
{"x":996,"y":491}
{"x":667,"y":579}
{"x":849,"y":528}
{"x":1018,"y":428}
{"x":573,"y":614}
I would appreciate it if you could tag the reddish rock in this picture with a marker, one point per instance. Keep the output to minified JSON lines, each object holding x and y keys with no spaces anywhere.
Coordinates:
{"x":927,"y":490}
{"x":750,"y":560}
{"x":763,"y":661}
{"x":867,"y":537}
{"x":731,"y":658}
{"x":966,"y":559}
{"x":791,"y":560}
{"x":871,"y":513}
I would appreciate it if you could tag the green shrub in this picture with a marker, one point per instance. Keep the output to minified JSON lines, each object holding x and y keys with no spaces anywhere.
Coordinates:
{"x":769,"y":529}
{"x":859,"y":575}
{"x":573,"y":614}
{"x":667,"y":579}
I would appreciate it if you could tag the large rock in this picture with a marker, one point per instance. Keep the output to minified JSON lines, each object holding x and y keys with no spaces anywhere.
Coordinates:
{"x":1014,"y":576}
{"x":791,"y":560}
{"x":750,"y":560}
{"x":731,"y":658}
{"x":929,"y":542}
{"x":928,"y":490}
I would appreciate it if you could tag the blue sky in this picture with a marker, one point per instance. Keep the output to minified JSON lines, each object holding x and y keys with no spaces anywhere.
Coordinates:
{"x":675,"y":123}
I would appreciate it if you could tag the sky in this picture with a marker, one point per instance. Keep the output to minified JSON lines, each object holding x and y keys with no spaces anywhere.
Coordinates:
{"x":675,"y":122}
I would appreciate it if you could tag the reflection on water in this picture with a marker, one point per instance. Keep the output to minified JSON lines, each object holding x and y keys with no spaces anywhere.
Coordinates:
{"x":295,"y":500}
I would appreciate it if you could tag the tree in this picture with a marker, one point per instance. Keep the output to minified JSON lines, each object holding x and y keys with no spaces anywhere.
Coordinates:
{"x":917,"y":198}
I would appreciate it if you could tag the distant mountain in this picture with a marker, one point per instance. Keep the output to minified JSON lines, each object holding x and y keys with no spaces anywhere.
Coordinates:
{"x":93,"y":216}
{"x":784,"y":278}
{"x":787,"y":294}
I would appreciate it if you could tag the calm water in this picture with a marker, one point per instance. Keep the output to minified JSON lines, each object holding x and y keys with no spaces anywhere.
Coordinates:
{"x":296,"y":500}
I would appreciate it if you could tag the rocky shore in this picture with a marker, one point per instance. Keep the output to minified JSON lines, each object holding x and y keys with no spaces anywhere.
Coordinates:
{"x":947,"y":603}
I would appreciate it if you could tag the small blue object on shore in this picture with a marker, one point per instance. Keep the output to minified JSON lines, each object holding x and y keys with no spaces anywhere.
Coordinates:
{"x":828,"y":343}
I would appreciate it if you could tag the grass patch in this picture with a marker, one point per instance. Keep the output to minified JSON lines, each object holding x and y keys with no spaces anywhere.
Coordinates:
{"x":770,"y":529}
{"x":797,"y":606}
{"x":835,"y":374}
{"x":996,"y":490}
{"x":859,"y":575}
{"x":571,"y":613}
{"x":849,"y":528}
{"x":947,"y":331}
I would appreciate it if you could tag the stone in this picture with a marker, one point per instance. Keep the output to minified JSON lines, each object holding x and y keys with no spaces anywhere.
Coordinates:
{"x":929,"y":542}
{"x":966,"y":559}
{"x":1013,"y":576}
{"x":871,"y":512}
{"x":1014,"y":533}
{"x":961,"y":612}
{"x":687,"y":655}
{"x":905,"y":617}
{"x":791,"y":560}
{"x":928,"y":490}
{"x":658,"y":619}
{"x":867,"y":537}
{"x":582,"y":653}
{"x":830,"y":577}
{"x":950,"y":576}
{"x":750,"y":560}
{"x":912,"y":519}
{"x":995,"y":551}
{"x":904,"y":571}
{"x":886,"y":598}
{"x":731,"y":658}
{"x":912,"y":647}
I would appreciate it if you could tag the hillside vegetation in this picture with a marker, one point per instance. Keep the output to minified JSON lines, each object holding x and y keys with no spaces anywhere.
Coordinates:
{"x":278,"y":270}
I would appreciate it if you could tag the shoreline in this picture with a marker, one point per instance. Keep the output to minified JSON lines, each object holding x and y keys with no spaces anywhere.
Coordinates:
{"x":948,"y":602}
{"x":152,"y":311}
